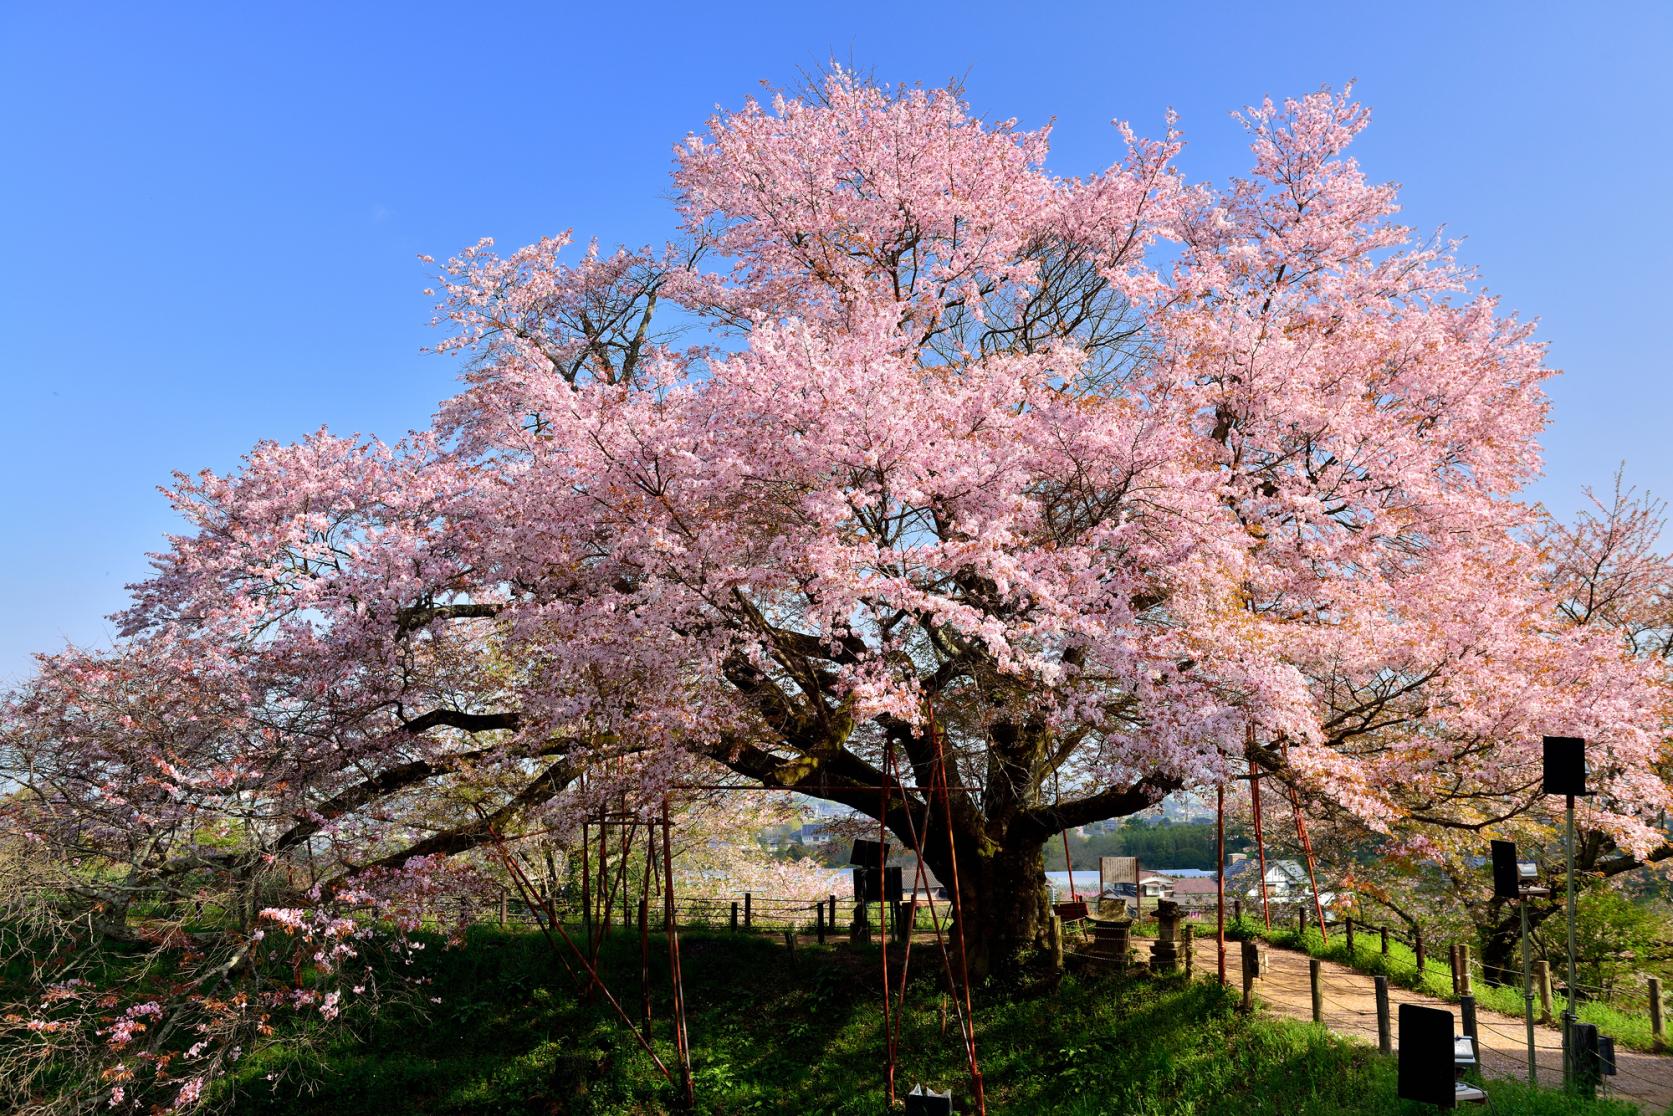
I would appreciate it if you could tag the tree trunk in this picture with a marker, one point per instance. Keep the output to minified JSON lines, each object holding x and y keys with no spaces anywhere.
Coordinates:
{"x":1501,"y":937}
{"x":1002,"y":900}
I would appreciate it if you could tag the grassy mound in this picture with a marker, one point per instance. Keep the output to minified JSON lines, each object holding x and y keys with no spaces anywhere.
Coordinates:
{"x":772,"y":1033}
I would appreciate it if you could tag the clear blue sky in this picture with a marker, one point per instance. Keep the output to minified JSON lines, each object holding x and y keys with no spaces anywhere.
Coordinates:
{"x":210,"y":214}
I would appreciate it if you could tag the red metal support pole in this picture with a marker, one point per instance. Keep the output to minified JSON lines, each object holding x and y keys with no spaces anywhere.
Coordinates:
{"x":1312,"y":875}
{"x":883,"y":918}
{"x":960,"y":923}
{"x":1220,"y":877}
{"x":605,"y":898}
{"x":680,"y":1041}
{"x":1068,"y":864}
{"x":645,"y":934}
{"x":1255,"y":802}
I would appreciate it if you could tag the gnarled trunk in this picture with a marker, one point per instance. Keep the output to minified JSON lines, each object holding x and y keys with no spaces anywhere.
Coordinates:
{"x":1003,"y":900}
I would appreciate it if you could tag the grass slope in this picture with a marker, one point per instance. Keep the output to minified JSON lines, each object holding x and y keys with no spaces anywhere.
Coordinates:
{"x":772,"y":1034}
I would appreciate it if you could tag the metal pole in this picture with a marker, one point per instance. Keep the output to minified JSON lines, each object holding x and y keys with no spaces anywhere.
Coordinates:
{"x":1528,"y":995}
{"x":883,"y":916}
{"x":1255,"y":802}
{"x":1568,"y":1003}
{"x":1220,"y":879}
{"x":682,"y":1043}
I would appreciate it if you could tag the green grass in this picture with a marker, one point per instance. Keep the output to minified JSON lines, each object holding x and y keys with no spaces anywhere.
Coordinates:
{"x":1630,"y":1029}
{"x":772,"y":1034}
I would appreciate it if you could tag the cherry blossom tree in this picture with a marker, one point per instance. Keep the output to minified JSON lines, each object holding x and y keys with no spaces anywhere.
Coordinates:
{"x":1605,"y":581}
{"x":1120,"y":482}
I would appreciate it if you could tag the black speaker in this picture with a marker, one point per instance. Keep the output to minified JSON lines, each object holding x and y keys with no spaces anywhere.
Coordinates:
{"x":923,"y":1101}
{"x":1606,"y":1055}
{"x":869,"y":854}
{"x":1507,"y":881}
{"x":1427,"y":1072}
{"x":1565,"y":765}
{"x":1588,"y":1057}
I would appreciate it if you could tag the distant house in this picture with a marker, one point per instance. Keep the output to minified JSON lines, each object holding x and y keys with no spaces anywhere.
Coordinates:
{"x":1286,"y":882}
{"x":1196,"y":893}
{"x":1156,"y":887}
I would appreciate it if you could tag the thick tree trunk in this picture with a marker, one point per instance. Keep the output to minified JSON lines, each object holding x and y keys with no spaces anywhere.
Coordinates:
{"x":1003,"y":901}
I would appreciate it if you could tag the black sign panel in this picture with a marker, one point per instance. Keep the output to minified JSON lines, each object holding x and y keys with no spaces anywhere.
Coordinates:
{"x":1507,"y":882}
{"x":870,"y":886}
{"x":1427,"y":1072}
{"x":1565,"y":765}
{"x":869,"y":854}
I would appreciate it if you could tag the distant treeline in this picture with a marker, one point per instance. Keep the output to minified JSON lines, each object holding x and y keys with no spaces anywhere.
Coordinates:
{"x":1157,"y":845}
{"x":1160,"y":844}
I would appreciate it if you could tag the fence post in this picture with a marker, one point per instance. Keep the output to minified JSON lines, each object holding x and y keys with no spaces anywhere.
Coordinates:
{"x":1350,"y":930}
{"x":1237,"y":910}
{"x":1655,"y":1012}
{"x":734,"y":916}
{"x":1384,"y":1043}
{"x":1465,"y":987}
{"x":1452,"y":956}
{"x":1384,"y":931}
{"x":749,"y":917}
{"x":1542,"y":981}
{"x":1417,"y":948}
{"x":1251,"y":957}
{"x":1466,"y":1008}
{"x":1301,"y":922}
{"x":819,"y":920}
{"x":1314,"y":975}
{"x":832,"y":919}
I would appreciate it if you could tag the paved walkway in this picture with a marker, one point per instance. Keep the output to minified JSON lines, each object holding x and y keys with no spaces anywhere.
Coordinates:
{"x":1350,"y":1008}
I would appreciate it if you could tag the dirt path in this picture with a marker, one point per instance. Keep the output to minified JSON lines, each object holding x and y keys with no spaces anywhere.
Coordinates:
{"x":1350,"y":1008}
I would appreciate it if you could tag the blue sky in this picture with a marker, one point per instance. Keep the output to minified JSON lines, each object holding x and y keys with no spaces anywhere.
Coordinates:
{"x":210,"y":215}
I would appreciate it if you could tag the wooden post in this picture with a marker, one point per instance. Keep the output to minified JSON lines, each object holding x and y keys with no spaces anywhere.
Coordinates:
{"x":1466,"y":1009}
{"x":749,"y":917}
{"x":1350,"y":930}
{"x":1384,"y":932}
{"x":1315,"y":976}
{"x":1465,"y":987}
{"x":1542,"y":981}
{"x":819,"y":920}
{"x":1384,"y":1042}
{"x":832,"y":918}
{"x":790,"y":944}
{"x":1185,"y":933}
{"x":734,"y":916}
{"x":1054,"y":935}
{"x":1655,"y":1012}
{"x":1452,"y":956}
{"x":1417,"y":947}
{"x":1237,"y":910}
{"x":1301,"y":922}
{"x":1250,"y":960}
